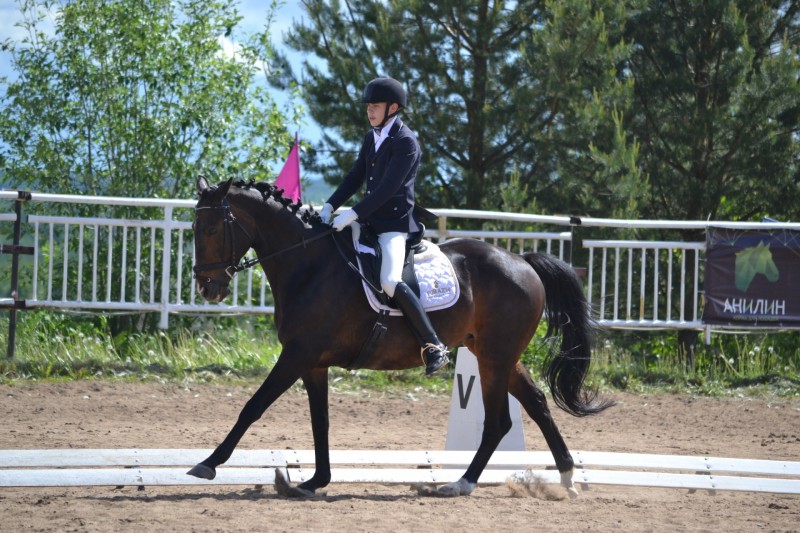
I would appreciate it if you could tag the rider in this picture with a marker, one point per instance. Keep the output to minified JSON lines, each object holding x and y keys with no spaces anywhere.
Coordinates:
{"x":388,"y":162}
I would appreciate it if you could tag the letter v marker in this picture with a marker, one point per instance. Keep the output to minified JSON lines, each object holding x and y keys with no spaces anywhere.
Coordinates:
{"x":465,"y":424}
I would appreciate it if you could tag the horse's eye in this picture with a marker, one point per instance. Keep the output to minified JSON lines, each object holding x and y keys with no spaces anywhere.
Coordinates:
{"x":211,"y":230}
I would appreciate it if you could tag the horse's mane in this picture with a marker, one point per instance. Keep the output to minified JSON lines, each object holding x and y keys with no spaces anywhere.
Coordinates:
{"x":267,"y":190}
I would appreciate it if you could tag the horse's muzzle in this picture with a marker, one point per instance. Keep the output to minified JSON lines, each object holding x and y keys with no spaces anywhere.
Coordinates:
{"x":212,"y":290}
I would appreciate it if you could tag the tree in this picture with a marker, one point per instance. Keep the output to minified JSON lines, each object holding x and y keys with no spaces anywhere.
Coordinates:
{"x":136,"y":98}
{"x":585,"y":160}
{"x":717,"y":107}
{"x":493,"y":86}
{"x":716,"y":111}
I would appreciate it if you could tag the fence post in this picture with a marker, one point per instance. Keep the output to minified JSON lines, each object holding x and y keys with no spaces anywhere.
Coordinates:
{"x":166,"y":267}
{"x":573,"y":221}
{"x":15,"y":250}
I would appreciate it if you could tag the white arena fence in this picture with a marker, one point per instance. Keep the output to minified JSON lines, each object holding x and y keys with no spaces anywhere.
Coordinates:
{"x":152,"y":467}
{"x":108,"y":254}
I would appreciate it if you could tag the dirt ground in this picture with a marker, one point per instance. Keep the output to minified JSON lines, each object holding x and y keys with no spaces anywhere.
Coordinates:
{"x":105,"y":414}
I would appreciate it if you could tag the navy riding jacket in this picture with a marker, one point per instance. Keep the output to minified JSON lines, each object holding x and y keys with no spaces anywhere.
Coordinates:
{"x":389,"y":174}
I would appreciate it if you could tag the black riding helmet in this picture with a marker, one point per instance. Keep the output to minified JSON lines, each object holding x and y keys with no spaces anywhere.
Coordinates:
{"x":387,"y":90}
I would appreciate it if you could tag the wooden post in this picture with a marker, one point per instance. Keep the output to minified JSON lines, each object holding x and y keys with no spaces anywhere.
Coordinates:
{"x":15,"y":250}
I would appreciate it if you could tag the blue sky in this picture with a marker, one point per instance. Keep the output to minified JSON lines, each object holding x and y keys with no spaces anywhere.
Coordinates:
{"x":254,"y":16}
{"x":253,"y":12}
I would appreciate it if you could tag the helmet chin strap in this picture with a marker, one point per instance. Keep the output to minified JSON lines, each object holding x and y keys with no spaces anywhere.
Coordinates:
{"x":386,"y":117}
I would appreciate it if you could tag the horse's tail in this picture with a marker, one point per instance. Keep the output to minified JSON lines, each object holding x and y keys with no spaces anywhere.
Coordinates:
{"x":567,"y":313}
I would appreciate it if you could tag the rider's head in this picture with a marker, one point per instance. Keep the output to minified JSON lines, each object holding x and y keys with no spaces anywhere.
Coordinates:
{"x":385,"y":97}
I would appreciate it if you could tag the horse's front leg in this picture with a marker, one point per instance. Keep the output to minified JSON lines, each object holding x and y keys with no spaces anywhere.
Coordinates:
{"x":316,"y":383}
{"x":533,"y":400}
{"x":283,"y":375}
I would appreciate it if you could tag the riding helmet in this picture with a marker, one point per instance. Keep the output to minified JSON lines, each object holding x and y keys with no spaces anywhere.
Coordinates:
{"x":384,"y":90}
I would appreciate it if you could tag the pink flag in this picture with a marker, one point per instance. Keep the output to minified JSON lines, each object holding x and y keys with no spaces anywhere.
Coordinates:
{"x":289,"y":178}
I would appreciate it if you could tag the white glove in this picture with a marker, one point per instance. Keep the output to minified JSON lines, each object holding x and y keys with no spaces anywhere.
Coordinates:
{"x":344,"y":219}
{"x":325,"y":214}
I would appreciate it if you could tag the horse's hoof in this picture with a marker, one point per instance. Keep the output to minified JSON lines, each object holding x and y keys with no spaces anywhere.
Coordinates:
{"x":462,"y":487}
{"x":566,"y":482}
{"x":283,"y":487}
{"x":202,"y":471}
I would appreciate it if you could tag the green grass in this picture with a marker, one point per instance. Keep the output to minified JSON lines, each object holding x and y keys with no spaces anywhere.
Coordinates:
{"x":57,"y":346}
{"x":752,"y":365}
{"x":63,"y":347}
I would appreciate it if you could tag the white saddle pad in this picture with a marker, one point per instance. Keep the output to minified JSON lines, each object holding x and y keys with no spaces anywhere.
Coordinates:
{"x":438,"y":284}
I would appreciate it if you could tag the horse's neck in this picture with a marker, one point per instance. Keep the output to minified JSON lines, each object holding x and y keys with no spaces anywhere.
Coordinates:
{"x":277,"y":231}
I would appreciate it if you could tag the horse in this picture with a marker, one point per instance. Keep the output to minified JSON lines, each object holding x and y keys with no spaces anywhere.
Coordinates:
{"x":322,"y":319}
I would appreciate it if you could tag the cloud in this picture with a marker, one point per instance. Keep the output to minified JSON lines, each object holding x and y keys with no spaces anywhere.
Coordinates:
{"x":229,"y":48}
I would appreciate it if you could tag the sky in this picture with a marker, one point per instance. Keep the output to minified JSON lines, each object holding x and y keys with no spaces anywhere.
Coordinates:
{"x":253,"y":13}
{"x":254,"y":16}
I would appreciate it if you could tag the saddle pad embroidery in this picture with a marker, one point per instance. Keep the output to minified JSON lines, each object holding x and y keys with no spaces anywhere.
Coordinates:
{"x":438,"y":284}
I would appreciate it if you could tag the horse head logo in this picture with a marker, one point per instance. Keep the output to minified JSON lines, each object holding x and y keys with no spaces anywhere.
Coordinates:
{"x":753,"y":261}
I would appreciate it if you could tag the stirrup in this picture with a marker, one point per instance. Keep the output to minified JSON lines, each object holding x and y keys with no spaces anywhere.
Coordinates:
{"x":438,"y":357}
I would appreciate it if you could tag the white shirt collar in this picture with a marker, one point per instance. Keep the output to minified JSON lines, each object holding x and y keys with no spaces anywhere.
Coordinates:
{"x":384,"y":133}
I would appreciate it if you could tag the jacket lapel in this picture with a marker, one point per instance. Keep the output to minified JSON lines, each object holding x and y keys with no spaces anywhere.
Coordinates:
{"x":386,"y":142}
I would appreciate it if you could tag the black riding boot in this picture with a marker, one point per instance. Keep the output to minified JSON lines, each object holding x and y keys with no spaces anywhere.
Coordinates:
{"x":434,"y":353}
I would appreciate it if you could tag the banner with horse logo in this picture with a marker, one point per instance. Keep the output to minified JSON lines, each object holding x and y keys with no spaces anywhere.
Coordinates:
{"x":752,"y":277}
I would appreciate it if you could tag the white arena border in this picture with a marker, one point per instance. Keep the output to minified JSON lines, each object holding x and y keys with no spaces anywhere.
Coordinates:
{"x":153,"y":467}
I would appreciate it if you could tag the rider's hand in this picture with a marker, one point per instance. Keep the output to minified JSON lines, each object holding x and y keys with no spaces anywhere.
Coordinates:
{"x":344,"y":219}
{"x":325,"y":214}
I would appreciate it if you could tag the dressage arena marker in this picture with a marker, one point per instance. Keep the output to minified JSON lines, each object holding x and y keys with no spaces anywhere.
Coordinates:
{"x":137,"y":467}
{"x":465,"y":423}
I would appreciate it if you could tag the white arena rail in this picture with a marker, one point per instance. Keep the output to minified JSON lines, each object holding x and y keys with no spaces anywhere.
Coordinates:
{"x":143,"y":263}
{"x":138,"y":261}
{"x":632,"y":292}
{"x":141,"y":467}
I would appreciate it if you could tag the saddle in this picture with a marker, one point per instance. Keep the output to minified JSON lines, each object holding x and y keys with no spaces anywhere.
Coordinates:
{"x":368,"y":253}
{"x":426,"y":271}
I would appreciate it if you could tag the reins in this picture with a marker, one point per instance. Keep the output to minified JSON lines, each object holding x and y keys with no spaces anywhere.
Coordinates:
{"x":232,"y":267}
{"x":355,"y":269}
{"x":303,"y":243}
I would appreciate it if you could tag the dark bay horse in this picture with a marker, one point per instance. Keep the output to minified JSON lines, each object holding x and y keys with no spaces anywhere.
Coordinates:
{"x":323,"y":318}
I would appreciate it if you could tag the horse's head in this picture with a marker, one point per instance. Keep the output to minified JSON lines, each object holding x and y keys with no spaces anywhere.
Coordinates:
{"x":220,"y":240}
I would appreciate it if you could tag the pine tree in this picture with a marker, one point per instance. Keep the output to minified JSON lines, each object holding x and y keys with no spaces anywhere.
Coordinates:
{"x":717,"y":107}
{"x":493,"y":86}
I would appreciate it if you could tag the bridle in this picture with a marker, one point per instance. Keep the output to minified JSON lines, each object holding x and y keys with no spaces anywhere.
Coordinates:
{"x":232,"y":267}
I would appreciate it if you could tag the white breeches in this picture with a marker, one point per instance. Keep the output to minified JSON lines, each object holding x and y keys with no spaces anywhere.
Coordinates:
{"x":393,"y":250}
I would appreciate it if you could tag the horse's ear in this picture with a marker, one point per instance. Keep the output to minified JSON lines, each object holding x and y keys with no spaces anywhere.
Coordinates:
{"x":224,"y":187}
{"x":202,"y":184}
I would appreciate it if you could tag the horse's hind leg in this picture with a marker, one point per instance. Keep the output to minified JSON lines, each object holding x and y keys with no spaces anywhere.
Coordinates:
{"x":282,"y":376}
{"x":497,"y":422}
{"x":533,"y":400}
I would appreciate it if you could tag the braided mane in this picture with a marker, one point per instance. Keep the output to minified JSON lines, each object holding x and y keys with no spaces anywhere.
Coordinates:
{"x":309,"y":216}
